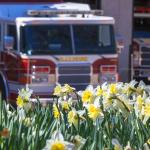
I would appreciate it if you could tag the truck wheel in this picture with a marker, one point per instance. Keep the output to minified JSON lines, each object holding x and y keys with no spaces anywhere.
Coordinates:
{"x":2,"y":90}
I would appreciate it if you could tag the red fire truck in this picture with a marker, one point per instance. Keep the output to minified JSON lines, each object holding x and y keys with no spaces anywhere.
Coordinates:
{"x":45,"y":44}
{"x":141,"y":42}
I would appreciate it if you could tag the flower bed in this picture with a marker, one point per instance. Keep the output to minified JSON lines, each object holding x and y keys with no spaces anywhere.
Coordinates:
{"x":110,"y":116}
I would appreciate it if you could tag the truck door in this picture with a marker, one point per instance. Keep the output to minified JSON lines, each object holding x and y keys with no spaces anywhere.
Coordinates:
{"x":0,"y":35}
{"x":10,"y":56}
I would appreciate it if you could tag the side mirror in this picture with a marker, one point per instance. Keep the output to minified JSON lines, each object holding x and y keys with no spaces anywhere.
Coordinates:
{"x":8,"y":42}
{"x":120,"y":48}
{"x":119,"y":43}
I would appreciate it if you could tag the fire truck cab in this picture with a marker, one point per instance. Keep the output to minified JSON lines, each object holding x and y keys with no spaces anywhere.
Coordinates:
{"x":42,"y":45}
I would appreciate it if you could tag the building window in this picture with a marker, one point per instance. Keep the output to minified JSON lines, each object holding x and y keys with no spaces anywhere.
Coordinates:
{"x":143,"y":3}
{"x":141,"y":23}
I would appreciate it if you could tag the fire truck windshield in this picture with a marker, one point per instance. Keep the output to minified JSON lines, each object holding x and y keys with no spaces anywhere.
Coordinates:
{"x":67,"y":39}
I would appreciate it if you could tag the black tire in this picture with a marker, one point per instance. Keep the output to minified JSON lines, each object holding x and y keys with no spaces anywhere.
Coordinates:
{"x":2,"y":89}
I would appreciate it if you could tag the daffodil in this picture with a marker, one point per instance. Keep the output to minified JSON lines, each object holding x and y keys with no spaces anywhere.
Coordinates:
{"x":141,"y":87}
{"x":117,"y":147}
{"x":58,"y":90}
{"x":57,"y":143}
{"x":65,"y":105}
{"x":99,"y":91}
{"x":106,"y":94}
{"x":63,"y":90}
{"x":140,"y":102}
{"x":73,"y":118}
{"x":147,"y":110}
{"x":67,"y":89}
{"x":139,"y":90}
{"x":20,"y":102}
{"x":25,"y":93}
{"x":116,"y":144}
{"x":148,"y":141}
{"x":79,"y":142}
{"x":56,"y":112}
{"x":107,"y":103}
{"x":129,"y":88}
{"x":122,"y":104}
{"x":87,"y":96}
{"x":23,"y":99}
{"x":145,"y":146}
{"x":94,"y":112}
{"x":113,"y":88}
{"x":128,"y":147}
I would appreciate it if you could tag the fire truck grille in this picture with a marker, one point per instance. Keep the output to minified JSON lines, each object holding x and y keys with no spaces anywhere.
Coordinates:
{"x":145,"y":56}
{"x":145,"y":49}
{"x":77,"y":76}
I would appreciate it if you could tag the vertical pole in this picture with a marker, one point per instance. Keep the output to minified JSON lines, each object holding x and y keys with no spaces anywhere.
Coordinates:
{"x":98,"y":4}
{"x":130,"y":48}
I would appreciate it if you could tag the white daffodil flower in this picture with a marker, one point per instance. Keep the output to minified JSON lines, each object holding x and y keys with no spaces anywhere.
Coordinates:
{"x":117,"y":145}
{"x":57,"y":142}
{"x":25,"y":93}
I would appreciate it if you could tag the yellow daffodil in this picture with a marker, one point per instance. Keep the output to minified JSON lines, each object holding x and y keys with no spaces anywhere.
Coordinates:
{"x":113,"y":88}
{"x":67,"y":89}
{"x":23,"y":99}
{"x":56,"y":112}
{"x":117,"y":147}
{"x":20,"y":102}
{"x":73,"y":117}
{"x":94,"y":112}
{"x":65,"y":105}
{"x":58,"y":90}
{"x":99,"y":91}
{"x":140,"y":102}
{"x":63,"y":90}
{"x":87,"y":96}
{"x":148,"y":141}
{"x":116,"y":144}
{"x":57,"y":145}
{"x":147,"y":110}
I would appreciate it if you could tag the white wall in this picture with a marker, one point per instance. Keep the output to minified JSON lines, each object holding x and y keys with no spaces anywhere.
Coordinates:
{"x":121,"y":10}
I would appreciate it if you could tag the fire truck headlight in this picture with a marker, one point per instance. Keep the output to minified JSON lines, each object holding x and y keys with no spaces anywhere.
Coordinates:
{"x":39,"y":79}
{"x":108,"y":77}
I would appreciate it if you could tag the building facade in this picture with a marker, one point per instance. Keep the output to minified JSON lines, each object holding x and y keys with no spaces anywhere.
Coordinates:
{"x":122,"y":11}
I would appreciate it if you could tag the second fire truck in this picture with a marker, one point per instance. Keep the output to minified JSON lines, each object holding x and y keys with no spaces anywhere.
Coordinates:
{"x":141,"y":42}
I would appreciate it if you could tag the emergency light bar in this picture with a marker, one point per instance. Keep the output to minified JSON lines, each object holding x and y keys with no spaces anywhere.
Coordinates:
{"x":60,"y":12}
